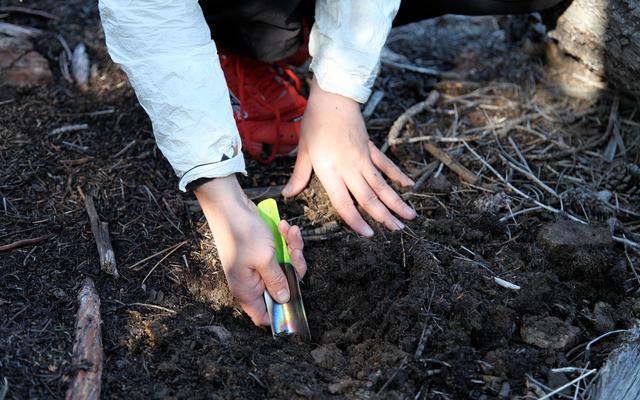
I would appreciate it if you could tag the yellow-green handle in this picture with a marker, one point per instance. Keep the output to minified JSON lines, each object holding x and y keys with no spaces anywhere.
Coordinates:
{"x":269,"y":212}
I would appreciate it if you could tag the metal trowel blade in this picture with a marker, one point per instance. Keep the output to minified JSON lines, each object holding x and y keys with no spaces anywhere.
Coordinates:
{"x":286,"y":318}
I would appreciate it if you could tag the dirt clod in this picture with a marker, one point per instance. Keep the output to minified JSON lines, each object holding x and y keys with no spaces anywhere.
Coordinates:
{"x":438,"y":184}
{"x":565,"y":234}
{"x":548,"y":333}
{"x":221,"y":333}
{"x":327,"y":356}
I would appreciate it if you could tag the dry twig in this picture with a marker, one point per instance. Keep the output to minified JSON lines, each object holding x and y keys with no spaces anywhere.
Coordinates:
{"x":406,"y":116}
{"x":371,"y":105}
{"x":87,"y":347}
{"x":19,"y":31}
{"x":260,"y":193}
{"x":68,"y":128}
{"x":518,"y":191}
{"x":80,"y":66}
{"x":28,"y":11}
{"x":25,"y":242}
{"x":452,"y":164}
{"x":101,"y":235}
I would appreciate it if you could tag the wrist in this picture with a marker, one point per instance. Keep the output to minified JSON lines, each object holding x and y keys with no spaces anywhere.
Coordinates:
{"x":220,"y":194}
{"x":336,"y":102}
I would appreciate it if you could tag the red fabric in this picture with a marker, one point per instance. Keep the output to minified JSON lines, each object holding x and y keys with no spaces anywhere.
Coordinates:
{"x":267,"y":108}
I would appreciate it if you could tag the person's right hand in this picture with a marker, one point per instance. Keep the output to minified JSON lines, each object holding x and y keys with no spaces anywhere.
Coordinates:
{"x":246,"y":246}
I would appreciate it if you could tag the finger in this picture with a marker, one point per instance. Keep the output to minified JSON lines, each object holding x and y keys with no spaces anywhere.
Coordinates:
{"x":341,"y":201}
{"x":300,"y":177}
{"x":247,"y":286}
{"x":295,"y":244}
{"x":386,"y":193}
{"x":274,"y":279}
{"x":368,"y":200}
{"x":256,"y":310}
{"x":388,"y":167}
{"x":283,"y":227}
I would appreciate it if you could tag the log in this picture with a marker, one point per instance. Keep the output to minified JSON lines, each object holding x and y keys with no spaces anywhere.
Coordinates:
{"x":619,"y":377}
{"x":87,"y":357}
{"x":101,"y":235}
{"x":604,"y":35}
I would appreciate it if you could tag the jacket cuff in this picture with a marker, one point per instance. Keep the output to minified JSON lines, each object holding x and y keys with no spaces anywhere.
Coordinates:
{"x":217,"y":169}
{"x":333,"y":77}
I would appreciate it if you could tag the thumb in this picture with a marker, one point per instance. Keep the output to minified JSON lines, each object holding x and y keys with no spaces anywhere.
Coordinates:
{"x":300,"y":176}
{"x":274,"y":280}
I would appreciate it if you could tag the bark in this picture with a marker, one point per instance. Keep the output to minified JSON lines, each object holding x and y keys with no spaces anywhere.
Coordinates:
{"x":604,"y":35}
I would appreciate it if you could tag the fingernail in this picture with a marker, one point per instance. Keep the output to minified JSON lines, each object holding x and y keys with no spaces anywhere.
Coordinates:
{"x":282,"y":296}
{"x":399,"y":224}
{"x":410,"y":211}
{"x":411,"y":182}
{"x":367,"y":231}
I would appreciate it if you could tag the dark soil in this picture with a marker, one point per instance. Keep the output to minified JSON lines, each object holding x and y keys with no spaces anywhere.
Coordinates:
{"x":415,"y":314}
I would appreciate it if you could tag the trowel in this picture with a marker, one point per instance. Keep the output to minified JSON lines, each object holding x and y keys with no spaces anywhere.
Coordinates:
{"x":286,"y":318}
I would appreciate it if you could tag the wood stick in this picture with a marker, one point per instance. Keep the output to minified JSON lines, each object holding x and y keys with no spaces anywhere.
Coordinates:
{"x":28,"y":11}
{"x":101,"y":235}
{"x":261,"y":193}
{"x":25,"y":242}
{"x":19,"y":31}
{"x":330,"y":227}
{"x":371,"y":105}
{"x":401,"y":121}
{"x":87,"y":347}
{"x":452,"y":164}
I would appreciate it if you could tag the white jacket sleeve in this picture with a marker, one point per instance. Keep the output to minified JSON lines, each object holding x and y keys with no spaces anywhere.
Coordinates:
{"x":166,"y":50}
{"x":346,"y":41}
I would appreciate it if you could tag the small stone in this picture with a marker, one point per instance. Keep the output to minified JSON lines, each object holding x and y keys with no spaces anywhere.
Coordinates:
{"x":438,"y":184}
{"x":505,"y":389}
{"x":548,"y":333}
{"x":604,"y":196}
{"x":224,"y":336}
{"x":327,"y":356}
{"x":603,"y":319}
{"x":20,"y":65}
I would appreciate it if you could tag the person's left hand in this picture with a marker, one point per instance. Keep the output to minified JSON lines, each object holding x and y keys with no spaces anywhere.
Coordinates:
{"x":334,"y":143}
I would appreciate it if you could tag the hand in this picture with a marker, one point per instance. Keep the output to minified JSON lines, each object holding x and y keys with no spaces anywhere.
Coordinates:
{"x":335,"y":144}
{"x":246,"y":246}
